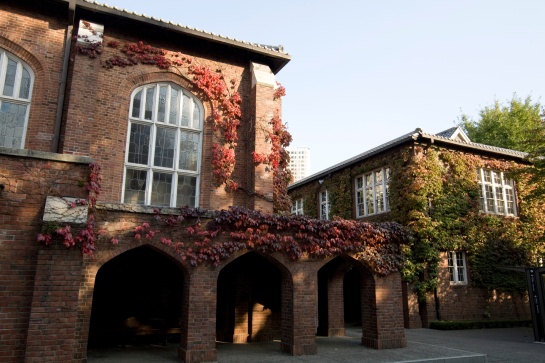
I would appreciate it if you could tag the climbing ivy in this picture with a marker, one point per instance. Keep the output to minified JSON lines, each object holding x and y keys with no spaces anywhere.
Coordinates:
{"x":434,"y":192}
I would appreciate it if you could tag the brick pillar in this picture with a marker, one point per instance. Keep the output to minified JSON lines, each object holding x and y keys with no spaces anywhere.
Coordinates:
{"x":335,"y":304}
{"x":382,"y":312}
{"x":300,"y":314}
{"x":54,"y":312}
{"x":263,"y":108}
{"x":198,"y":326}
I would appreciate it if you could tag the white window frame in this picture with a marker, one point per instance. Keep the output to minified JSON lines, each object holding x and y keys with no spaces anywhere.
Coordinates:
{"x":457,"y":267}
{"x":496,"y":193}
{"x":154,"y":125}
{"x":297,"y":208}
{"x":14,"y":99}
{"x":371,"y":192}
{"x":324,"y":205}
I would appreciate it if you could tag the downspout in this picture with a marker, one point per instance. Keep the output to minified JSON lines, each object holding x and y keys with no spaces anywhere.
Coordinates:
{"x":64,"y":75}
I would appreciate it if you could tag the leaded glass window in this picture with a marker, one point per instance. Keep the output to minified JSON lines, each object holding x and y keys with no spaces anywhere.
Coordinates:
{"x":497,"y":194}
{"x":372,"y":192}
{"x":16,"y":80}
{"x":457,"y":268}
{"x":163,"y":149}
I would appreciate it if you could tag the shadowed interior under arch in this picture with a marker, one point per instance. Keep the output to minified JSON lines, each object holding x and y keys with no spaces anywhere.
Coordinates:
{"x":137,"y":299}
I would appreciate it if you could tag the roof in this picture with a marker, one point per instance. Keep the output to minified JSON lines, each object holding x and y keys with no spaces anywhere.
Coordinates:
{"x":453,"y":136}
{"x":276,"y":54}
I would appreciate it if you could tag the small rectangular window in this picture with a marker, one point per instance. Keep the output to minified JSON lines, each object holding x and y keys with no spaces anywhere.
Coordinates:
{"x":324,"y":205}
{"x":457,"y":268}
{"x":297,"y":207}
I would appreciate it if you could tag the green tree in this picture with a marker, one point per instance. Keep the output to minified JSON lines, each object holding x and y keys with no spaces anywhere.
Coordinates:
{"x":518,"y":125}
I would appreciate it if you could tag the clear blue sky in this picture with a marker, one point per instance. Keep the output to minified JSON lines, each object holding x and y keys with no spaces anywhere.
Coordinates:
{"x":365,"y":72}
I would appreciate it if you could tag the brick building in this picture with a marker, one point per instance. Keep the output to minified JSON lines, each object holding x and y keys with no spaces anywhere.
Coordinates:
{"x":79,"y":89}
{"x":439,"y":185}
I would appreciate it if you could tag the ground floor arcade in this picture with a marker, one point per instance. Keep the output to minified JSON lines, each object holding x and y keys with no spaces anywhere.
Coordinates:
{"x":136,"y":293}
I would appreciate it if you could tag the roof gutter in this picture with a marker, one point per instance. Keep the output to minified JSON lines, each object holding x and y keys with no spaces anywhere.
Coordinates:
{"x":64,"y":75}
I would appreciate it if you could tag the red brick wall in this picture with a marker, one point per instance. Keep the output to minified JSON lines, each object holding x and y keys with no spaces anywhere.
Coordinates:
{"x":38,"y":41}
{"x":466,"y":302}
{"x":27,"y":182}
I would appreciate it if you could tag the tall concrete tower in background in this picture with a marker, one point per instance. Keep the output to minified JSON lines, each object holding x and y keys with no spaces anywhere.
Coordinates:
{"x":299,"y":162}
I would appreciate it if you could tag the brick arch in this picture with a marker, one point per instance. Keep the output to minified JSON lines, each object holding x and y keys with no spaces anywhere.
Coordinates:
{"x":90,"y":269}
{"x":332,"y":279}
{"x":38,"y":67}
{"x":129,"y":84}
{"x":105,"y":255}
{"x":256,"y":309}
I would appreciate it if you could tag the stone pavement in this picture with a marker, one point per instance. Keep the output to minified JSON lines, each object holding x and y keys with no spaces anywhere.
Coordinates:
{"x":423,"y":345}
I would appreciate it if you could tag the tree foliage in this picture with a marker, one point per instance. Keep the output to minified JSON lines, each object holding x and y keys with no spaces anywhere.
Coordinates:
{"x":517,"y":125}
{"x":511,"y":126}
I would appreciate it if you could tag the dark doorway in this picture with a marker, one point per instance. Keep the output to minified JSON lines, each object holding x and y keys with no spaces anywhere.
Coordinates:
{"x":249,"y":301}
{"x":137,"y":299}
{"x":339,"y":297}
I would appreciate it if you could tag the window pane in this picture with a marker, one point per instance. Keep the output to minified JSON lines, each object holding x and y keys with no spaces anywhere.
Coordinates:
{"x":161,"y":188}
{"x":510,"y":201}
{"x":359,"y":182}
{"x":369,"y":201}
{"x":499,"y":200}
{"x":12,"y":124}
{"x":487,"y":176}
{"x":379,"y":198}
{"x":24,"y":90}
{"x":378,"y":177}
{"x":165,"y":142}
{"x":186,"y":111}
{"x":187,"y":190}
{"x":196,"y":117}
{"x":189,"y":150}
{"x":139,"y":144}
{"x":135,"y":186}
{"x":136,"y":105}
{"x":369,"y":180}
{"x":150,"y":99}
{"x":489,"y":198}
{"x":9,"y":81}
{"x":162,"y":104}
{"x":359,"y":201}
{"x":174,"y":107}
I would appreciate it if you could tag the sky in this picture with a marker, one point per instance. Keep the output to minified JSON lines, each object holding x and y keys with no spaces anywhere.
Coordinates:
{"x":365,"y":72}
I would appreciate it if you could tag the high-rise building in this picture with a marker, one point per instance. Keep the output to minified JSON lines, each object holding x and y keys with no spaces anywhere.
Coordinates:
{"x":299,"y":162}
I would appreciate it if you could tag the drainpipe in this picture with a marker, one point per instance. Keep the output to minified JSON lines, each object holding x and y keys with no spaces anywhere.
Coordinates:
{"x":64,"y":75}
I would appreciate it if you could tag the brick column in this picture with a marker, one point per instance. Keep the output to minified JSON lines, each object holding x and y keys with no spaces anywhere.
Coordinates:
{"x":263,"y":108}
{"x":335,"y":304}
{"x":299,"y":322}
{"x":198,"y":332}
{"x":53,"y":318}
{"x":382,"y":312}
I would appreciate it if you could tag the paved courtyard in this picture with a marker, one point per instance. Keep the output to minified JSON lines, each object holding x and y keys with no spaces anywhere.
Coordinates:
{"x":423,"y":345}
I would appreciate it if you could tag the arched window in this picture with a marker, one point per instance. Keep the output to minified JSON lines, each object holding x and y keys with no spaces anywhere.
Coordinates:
{"x":163,"y":155}
{"x":16,"y":79}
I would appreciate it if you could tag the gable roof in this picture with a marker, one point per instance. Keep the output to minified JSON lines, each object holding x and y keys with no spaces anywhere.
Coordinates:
{"x":276,"y":57}
{"x":448,"y":137}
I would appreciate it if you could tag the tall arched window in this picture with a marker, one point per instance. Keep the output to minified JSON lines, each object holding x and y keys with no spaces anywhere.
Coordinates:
{"x":163,"y":155}
{"x":16,"y":79}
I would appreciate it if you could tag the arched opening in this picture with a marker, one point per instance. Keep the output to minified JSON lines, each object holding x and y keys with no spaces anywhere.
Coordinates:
{"x":249,"y":307}
{"x":137,"y":299}
{"x":345,"y":293}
